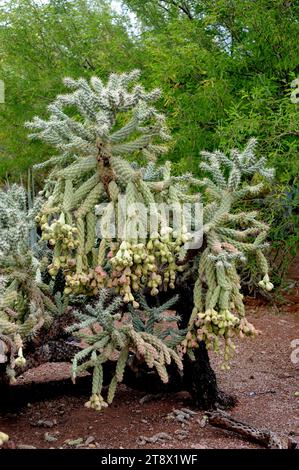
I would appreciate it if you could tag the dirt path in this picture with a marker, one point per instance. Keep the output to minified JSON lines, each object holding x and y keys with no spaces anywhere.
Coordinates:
{"x":262,"y":377}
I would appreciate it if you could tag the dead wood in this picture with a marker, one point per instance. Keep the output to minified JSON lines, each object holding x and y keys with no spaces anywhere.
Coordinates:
{"x":264,"y":437}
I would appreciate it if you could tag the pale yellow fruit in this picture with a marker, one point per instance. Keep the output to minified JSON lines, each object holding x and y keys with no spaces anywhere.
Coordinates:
{"x":3,"y":437}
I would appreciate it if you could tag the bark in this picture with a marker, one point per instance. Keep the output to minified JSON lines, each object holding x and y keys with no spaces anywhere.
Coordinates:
{"x":200,"y":379}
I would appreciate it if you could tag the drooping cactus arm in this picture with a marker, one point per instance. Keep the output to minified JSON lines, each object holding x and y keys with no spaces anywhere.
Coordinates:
{"x":218,"y":303}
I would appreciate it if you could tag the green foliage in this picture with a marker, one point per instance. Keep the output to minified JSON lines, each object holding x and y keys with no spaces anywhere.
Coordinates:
{"x":228,"y":75}
{"x":284,"y":220}
{"x":258,"y":113}
{"x":39,"y":43}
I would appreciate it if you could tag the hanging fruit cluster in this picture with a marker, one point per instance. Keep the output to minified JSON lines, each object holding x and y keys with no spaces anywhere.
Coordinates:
{"x":151,"y":264}
{"x":86,"y":283}
{"x":63,"y":238}
{"x":59,"y":233}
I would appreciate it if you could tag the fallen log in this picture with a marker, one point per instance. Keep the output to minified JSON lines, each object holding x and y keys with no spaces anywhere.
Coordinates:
{"x":264,"y":437}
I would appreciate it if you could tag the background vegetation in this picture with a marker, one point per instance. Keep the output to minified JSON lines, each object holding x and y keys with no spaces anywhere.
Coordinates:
{"x":225,"y":68}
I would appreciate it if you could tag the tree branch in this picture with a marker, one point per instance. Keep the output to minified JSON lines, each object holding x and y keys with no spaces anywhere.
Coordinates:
{"x":180,"y":5}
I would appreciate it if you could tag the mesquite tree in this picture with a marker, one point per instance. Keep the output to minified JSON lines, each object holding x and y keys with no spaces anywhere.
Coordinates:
{"x":112,"y":288}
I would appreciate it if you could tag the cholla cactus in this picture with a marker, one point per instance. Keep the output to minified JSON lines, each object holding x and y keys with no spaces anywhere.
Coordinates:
{"x":115,"y":342}
{"x":14,"y":229}
{"x":108,"y":124}
{"x":24,"y":306}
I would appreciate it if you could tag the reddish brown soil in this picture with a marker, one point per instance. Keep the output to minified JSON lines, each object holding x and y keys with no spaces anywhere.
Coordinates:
{"x":262,"y":377}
